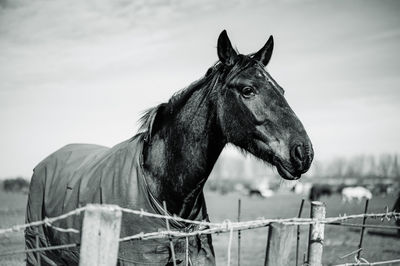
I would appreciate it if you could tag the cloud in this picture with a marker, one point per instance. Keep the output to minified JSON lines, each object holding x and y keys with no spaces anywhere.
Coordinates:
{"x":81,"y":71}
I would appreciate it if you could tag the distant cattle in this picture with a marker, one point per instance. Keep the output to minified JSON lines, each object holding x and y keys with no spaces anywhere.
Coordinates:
{"x":396,"y":208}
{"x":301,"y":188}
{"x":319,"y":190}
{"x":255,"y":192}
{"x":262,"y":193}
{"x":355,"y":193}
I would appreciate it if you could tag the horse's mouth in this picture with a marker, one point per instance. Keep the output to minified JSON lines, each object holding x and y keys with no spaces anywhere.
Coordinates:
{"x":285,"y":173}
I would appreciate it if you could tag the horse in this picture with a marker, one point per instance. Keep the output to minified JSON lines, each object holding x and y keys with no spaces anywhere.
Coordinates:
{"x":169,"y":159}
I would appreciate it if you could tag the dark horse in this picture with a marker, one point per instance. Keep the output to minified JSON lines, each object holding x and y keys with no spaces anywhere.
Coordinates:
{"x":319,"y":190}
{"x":170,"y":159}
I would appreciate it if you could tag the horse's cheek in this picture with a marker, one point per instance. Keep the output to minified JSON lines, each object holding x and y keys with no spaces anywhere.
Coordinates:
{"x":255,"y":110}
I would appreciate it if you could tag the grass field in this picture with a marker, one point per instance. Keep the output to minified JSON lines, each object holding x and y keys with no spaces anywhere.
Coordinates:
{"x":338,"y":240}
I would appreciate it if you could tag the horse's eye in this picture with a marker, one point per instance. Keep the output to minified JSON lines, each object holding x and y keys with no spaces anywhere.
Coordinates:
{"x":248,"y":92}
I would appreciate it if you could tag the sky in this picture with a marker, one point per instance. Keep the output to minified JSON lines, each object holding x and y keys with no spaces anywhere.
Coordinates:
{"x":83,"y":71}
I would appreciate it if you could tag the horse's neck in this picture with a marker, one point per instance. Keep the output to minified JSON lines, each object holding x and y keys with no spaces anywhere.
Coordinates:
{"x":182,"y":154}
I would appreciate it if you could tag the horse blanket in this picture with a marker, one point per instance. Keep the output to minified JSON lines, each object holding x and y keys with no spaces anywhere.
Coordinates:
{"x":79,"y":174}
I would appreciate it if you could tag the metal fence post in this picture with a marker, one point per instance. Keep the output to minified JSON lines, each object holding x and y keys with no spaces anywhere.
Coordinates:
{"x":298,"y":233}
{"x":100,"y":235}
{"x":362,"y":231}
{"x":239,"y":232}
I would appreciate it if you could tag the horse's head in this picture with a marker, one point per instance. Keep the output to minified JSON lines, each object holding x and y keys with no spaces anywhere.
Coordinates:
{"x":254,"y":114}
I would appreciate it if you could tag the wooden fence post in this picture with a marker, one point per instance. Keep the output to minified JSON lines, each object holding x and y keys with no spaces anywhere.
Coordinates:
{"x":100,"y":235}
{"x":316,"y":234}
{"x":281,"y":239}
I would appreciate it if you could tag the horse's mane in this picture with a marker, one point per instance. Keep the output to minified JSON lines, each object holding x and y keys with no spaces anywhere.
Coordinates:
{"x":178,"y":99}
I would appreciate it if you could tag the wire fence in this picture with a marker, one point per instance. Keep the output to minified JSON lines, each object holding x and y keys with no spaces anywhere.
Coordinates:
{"x":225,"y":226}
{"x":204,"y":227}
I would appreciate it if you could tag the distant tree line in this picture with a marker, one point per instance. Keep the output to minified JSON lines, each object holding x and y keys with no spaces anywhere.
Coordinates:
{"x":17,"y":184}
{"x":247,"y":171}
{"x":362,"y":166}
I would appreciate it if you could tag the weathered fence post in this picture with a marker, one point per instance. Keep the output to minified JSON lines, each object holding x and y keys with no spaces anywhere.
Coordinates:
{"x":316,"y":234}
{"x":100,"y":235}
{"x":281,"y":239}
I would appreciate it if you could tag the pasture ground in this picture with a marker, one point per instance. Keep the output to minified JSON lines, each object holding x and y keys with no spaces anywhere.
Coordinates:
{"x":338,"y":240}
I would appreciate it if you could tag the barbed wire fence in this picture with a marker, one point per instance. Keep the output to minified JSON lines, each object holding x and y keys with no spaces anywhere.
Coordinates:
{"x":205,"y":227}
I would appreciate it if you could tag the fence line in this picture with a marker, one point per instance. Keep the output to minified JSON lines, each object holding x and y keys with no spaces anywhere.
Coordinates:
{"x":204,"y":227}
{"x":226,"y":224}
{"x":218,"y":227}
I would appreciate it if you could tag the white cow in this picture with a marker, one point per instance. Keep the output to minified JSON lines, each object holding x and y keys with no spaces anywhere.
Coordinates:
{"x":301,"y":188}
{"x":352,"y":193}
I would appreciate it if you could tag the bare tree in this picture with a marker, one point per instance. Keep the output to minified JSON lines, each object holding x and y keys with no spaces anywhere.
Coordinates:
{"x":336,"y":168}
{"x":396,"y":168}
{"x":355,"y":166}
{"x":384,"y":165}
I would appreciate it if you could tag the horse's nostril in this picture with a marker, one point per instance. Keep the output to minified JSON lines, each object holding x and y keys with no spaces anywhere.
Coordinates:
{"x":299,"y":152}
{"x":301,"y":156}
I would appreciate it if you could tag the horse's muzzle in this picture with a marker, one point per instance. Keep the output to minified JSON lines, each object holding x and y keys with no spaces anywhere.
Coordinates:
{"x":301,"y":156}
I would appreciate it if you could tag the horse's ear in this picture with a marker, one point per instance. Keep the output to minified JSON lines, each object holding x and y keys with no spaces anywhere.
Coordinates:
{"x":264,"y":54}
{"x":226,"y":53}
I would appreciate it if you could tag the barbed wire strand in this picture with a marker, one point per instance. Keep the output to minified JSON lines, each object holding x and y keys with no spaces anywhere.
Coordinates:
{"x":63,"y":230}
{"x":169,"y":217}
{"x":366,"y":225}
{"x":288,"y":221}
{"x":361,"y":260}
{"x":351,"y":253}
{"x":21,"y":251}
{"x":247,"y":224}
{"x":46,"y":220}
{"x":370,"y":263}
{"x":221,"y":226}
